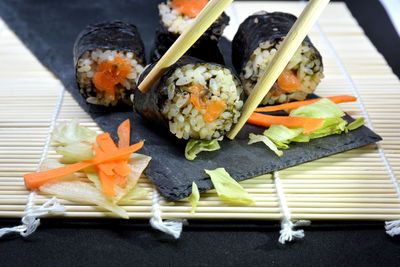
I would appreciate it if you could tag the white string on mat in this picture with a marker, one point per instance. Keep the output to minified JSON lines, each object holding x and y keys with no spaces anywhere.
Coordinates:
{"x":287,"y":226}
{"x":31,"y":220}
{"x":170,"y":227}
{"x":392,"y":227}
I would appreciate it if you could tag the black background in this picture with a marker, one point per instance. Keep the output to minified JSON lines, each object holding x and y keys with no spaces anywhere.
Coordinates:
{"x":224,"y":243}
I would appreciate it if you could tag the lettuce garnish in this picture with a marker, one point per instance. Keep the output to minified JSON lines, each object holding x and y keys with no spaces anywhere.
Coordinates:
{"x":72,"y":141}
{"x":194,"y":147}
{"x":194,"y":197}
{"x":281,"y":136}
{"x":227,"y":188}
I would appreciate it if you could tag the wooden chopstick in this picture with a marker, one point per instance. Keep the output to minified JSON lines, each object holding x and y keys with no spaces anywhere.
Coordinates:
{"x":192,"y":33}
{"x":288,"y":48}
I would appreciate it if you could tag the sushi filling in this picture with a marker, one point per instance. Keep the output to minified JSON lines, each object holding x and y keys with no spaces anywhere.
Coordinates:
{"x":305,"y":65}
{"x":108,"y":77}
{"x":203,"y":101}
{"x":172,"y":19}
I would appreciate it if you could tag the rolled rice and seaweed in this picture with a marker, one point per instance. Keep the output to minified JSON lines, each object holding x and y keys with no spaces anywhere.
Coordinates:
{"x":254,"y":45}
{"x":193,"y":99}
{"x":173,"y":23}
{"x":109,"y":58}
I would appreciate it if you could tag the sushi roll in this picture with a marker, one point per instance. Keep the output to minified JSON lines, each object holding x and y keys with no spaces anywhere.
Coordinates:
{"x":175,"y":16}
{"x":192,"y":99}
{"x":109,"y":58}
{"x":254,"y":45}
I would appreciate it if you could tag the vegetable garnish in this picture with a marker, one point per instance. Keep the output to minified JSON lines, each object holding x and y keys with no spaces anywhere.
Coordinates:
{"x":110,"y":177}
{"x":227,"y":188}
{"x":308,"y":124}
{"x":292,"y":105}
{"x":33,"y":180}
{"x":332,"y":114}
{"x":124,"y":134}
{"x":288,"y":81}
{"x":110,"y":73}
{"x":254,"y":138}
{"x":195,"y":146}
{"x":190,"y":8}
{"x":194,"y":197}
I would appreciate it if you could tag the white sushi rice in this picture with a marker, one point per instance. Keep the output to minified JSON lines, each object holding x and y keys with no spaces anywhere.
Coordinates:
{"x":87,"y":66}
{"x":185,"y":120}
{"x":172,"y":19}
{"x":304,"y":63}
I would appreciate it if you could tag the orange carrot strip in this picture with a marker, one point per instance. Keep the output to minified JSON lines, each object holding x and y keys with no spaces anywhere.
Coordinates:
{"x":288,"y":81}
{"x":121,"y":181}
{"x":214,"y":109}
{"x":106,"y":143}
{"x":308,"y":124}
{"x":292,"y":105}
{"x":36,"y":179}
{"x":122,"y":168}
{"x":107,"y":183}
{"x":189,"y":7}
{"x":124,"y":134}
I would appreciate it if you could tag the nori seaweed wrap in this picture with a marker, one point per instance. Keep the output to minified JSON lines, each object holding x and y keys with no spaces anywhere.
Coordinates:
{"x":193,"y":99}
{"x":254,"y":45}
{"x":108,"y":58}
{"x":205,"y":48}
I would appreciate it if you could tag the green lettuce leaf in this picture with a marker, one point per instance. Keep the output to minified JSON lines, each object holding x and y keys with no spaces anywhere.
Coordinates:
{"x":71,"y":132}
{"x":254,"y":138}
{"x":194,"y":197}
{"x":355,"y":124}
{"x":282,"y":136}
{"x":227,"y":188}
{"x":194,"y":147}
{"x":75,"y":152}
{"x":323,"y":108}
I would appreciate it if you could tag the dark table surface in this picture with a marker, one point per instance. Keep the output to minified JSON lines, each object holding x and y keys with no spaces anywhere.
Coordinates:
{"x":224,"y":243}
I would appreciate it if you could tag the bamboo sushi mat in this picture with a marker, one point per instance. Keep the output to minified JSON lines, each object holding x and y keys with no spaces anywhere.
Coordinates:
{"x":354,"y":185}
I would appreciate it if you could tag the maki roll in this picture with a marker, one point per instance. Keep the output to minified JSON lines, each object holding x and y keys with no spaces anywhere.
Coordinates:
{"x":108,"y":58}
{"x":193,"y":99}
{"x":255,"y":43}
{"x":175,"y":16}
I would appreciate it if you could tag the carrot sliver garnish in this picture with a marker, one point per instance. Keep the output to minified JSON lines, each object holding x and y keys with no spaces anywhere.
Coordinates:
{"x":121,"y":181}
{"x":308,"y":124}
{"x":288,"y":81}
{"x":36,"y":179}
{"x":292,"y":105}
{"x":214,"y":109}
{"x":106,"y":143}
{"x":122,"y":169}
{"x":190,"y":8}
{"x":110,"y":73}
{"x":197,"y":96}
{"x":107,"y":183}
{"x":124,"y":134}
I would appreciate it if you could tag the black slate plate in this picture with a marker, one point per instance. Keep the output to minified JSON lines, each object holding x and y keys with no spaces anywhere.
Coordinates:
{"x":49,"y":28}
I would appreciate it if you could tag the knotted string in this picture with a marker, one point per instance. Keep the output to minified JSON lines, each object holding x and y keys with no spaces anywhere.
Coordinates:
{"x":287,"y":226}
{"x":171,"y":227}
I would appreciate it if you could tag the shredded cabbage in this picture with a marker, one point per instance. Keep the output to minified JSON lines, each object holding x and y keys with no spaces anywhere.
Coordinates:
{"x":76,"y":189}
{"x":281,"y":136}
{"x":194,"y":147}
{"x":227,"y":188}
{"x":254,"y":138}
{"x":73,"y":141}
{"x":75,"y":152}
{"x":71,"y":132}
{"x":194,"y":197}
